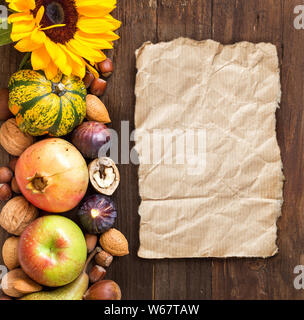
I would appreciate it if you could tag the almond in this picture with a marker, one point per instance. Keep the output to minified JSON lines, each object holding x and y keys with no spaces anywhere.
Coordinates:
{"x":10,"y":252}
{"x":26,"y":286}
{"x":16,"y":280}
{"x":96,"y":110}
{"x":114,"y":242}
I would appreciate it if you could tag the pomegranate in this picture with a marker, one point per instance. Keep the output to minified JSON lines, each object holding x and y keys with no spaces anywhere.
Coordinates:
{"x":52,"y":175}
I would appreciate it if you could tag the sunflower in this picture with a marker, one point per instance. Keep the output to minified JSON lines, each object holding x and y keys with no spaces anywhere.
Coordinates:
{"x":63,"y":35}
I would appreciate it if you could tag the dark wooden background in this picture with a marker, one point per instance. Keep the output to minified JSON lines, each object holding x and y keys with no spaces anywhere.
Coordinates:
{"x":227,"y":21}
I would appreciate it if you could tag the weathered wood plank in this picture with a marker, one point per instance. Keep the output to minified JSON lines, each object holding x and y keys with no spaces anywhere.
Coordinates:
{"x":271,"y":278}
{"x":134,"y":275}
{"x":185,"y":278}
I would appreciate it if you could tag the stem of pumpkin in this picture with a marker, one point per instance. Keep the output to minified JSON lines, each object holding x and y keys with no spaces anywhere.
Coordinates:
{"x":24,"y":60}
{"x":59,"y":88}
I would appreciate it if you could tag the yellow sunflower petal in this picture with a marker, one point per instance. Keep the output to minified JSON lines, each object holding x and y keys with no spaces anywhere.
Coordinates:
{"x":17,"y":36}
{"x":39,"y":15}
{"x":58,"y":56}
{"x":95,"y":8}
{"x":84,"y":51}
{"x":40,"y":59}
{"x":38,"y":36}
{"x":23,"y":26}
{"x":26,"y":45}
{"x":95,"y":25}
{"x":77,"y":63}
{"x":17,"y":17}
{"x":51,"y":70}
{"x":92,"y":70}
{"x":91,"y":37}
{"x":82,"y":3}
{"x":116,"y":23}
{"x":97,"y":43}
{"x":21,"y":5}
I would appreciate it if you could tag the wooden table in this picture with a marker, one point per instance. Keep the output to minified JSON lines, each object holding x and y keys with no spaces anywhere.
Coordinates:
{"x":227,"y":21}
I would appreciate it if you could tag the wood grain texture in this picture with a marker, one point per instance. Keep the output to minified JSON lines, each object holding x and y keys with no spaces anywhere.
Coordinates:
{"x":227,"y":21}
{"x":267,"y":21}
{"x":134,"y":275}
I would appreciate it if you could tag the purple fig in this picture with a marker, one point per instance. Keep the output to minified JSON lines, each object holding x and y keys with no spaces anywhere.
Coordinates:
{"x":90,"y":137}
{"x":97,"y":214}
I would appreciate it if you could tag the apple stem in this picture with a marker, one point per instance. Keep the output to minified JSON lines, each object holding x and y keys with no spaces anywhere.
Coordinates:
{"x":90,"y":257}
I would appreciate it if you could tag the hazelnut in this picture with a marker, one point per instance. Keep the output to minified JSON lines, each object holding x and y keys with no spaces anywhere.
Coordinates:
{"x":103,"y":290}
{"x":98,"y":87}
{"x":5,"y":192}
{"x":12,"y":163}
{"x":14,"y":186}
{"x":88,"y":79}
{"x":106,"y":67}
{"x":97,"y":273}
{"x":17,"y":214}
{"x":4,"y":110}
{"x":104,"y":175}
{"x":10,"y":252}
{"x":103,"y":259}
{"x":6,"y":175}
{"x":91,"y":240}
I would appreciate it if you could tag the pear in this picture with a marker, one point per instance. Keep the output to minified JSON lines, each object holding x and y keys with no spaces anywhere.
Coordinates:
{"x":72,"y":291}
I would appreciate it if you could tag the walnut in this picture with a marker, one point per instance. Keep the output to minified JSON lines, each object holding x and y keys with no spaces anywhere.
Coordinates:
{"x":12,"y":139}
{"x":17,"y":214}
{"x":104,"y":175}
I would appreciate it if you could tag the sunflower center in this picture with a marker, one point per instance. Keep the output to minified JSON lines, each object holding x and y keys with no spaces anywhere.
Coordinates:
{"x":58,"y":12}
{"x":55,"y":13}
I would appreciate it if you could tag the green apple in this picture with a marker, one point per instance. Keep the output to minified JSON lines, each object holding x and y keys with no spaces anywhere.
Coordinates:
{"x":52,"y":251}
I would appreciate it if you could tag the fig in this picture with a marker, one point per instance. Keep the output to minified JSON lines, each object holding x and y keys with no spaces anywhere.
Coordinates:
{"x":90,"y":137}
{"x":104,"y":175}
{"x":97,"y":214}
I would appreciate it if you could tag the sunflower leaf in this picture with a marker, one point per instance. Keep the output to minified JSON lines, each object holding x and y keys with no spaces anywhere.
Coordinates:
{"x":5,"y":32}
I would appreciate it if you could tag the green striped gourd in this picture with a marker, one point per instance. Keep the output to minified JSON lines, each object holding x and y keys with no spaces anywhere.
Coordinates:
{"x":43,"y":106}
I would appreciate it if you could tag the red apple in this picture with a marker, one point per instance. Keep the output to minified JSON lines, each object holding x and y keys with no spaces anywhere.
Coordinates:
{"x":52,"y":251}
{"x":52,"y":175}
